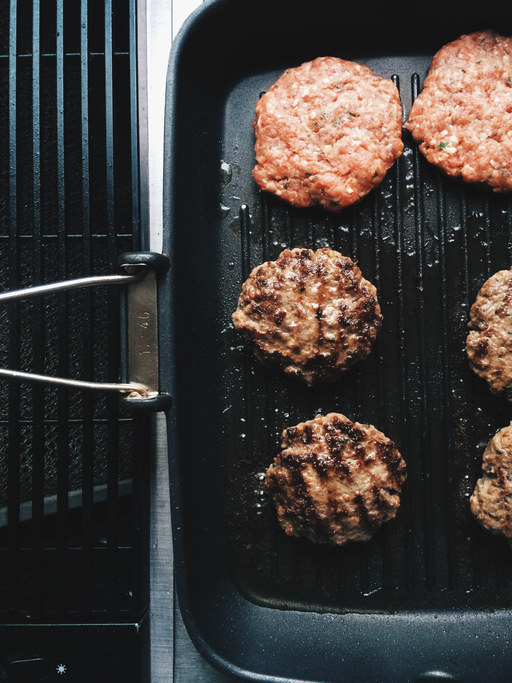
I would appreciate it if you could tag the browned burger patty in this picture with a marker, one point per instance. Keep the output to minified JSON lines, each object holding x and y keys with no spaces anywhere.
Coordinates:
{"x":462,"y":119}
{"x":335,"y":480}
{"x":489,"y":343}
{"x":311,"y":313}
{"x":326,"y":133}
{"x":491,"y":502}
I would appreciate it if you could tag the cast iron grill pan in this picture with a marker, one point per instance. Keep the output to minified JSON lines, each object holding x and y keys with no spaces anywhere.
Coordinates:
{"x":428,"y":243}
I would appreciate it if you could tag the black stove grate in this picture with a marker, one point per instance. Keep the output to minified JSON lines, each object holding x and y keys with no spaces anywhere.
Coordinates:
{"x":70,"y":485}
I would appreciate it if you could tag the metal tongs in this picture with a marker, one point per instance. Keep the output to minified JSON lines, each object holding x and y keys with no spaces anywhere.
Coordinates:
{"x":139,"y":272}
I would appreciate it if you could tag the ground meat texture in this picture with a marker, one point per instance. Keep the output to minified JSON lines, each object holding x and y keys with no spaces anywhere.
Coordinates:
{"x":335,"y":480}
{"x":462,"y":119}
{"x":326,"y":133}
{"x":491,"y":502}
{"x":311,"y":313}
{"x":489,"y":343}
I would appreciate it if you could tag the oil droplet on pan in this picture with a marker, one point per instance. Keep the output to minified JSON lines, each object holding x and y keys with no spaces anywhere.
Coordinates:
{"x":225,"y":171}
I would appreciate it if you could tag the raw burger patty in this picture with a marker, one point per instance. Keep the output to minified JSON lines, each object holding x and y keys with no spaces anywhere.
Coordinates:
{"x":489,"y":343}
{"x":491,"y":502}
{"x":462,"y":120}
{"x":326,"y":133}
{"x":311,"y":313}
{"x":335,"y":480}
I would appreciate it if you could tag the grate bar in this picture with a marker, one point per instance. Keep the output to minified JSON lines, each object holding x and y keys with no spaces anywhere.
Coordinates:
{"x":449,"y":514}
{"x":88,"y":446}
{"x":113,"y":436}
{"x":269,"y":404}
{"x":425,"y":445}
{"x":37,"y":325}
{"x":387,"y":575}
{"x":14,"y":391}
{"x":62,"y":338}
{"x":361,"y":567}
{"x":488,"y":238}
{"x":412,"y":561}
{"x":141,"y":495}
{"x":267,"y":226}
{"x":246,"y":256}
{"x":248,"y":396}
{"x":474,"y":579}
{"x":383,"y":566}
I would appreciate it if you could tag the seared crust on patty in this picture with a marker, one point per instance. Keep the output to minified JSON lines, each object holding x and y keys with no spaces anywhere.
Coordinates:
{"x":489,"y":344}
{"x":312,"y":313}
{"x":462,"y":119}
{"x":326,"y":133}
{"x":491,"y":502}
{"x":335,"y":480}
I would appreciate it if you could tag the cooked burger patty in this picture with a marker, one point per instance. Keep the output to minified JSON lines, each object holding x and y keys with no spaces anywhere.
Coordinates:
{"x":311,"y":313}
{"x":489,"y":344}
{"x":335,"y":480}
{"x":462,"y":119}
{"x":326,"y":133}
{"x":491,"y":502}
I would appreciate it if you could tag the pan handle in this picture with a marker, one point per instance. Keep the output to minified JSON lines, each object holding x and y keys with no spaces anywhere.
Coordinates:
{"x":142,"y":330}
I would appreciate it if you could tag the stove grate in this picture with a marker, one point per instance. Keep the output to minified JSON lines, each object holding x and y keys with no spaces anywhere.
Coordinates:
{"x":71,"y":487}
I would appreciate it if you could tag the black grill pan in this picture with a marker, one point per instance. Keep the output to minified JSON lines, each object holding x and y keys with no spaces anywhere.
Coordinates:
{"x":431,"y":592}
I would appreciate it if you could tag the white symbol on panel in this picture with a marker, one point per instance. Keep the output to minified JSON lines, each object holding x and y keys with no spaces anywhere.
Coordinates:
{"x":61,"y":669}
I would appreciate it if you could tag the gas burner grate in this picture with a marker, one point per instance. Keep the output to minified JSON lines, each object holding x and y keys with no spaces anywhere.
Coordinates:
{"x":71,"y":486}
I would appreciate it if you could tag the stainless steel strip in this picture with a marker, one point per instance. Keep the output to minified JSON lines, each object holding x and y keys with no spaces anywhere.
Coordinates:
{"x":143,"y":332}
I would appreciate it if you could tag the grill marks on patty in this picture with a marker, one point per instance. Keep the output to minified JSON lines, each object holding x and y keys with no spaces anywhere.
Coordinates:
{"x":312,"y":313}
{"x":489,"y":342}
{"x":491,"y":502}
{"x":335,"y":480}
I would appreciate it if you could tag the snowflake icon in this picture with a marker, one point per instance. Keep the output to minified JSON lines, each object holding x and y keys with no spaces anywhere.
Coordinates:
{"x":61,"y":669}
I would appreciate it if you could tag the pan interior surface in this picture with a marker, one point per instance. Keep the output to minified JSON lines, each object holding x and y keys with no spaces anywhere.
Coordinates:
{"x":428,"y":243}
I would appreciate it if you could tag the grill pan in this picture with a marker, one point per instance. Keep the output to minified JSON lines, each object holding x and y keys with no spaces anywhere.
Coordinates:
{"x":430,"y":595}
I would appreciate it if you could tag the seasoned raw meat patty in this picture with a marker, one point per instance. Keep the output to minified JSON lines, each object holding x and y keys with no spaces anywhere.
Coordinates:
{"x":491,"y":502}
{"x":326,"y":133}
{"x":489,"y":344}
{"x":335,"y":480}
{"x":311,"y":313}
{"x":462,"y":119}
